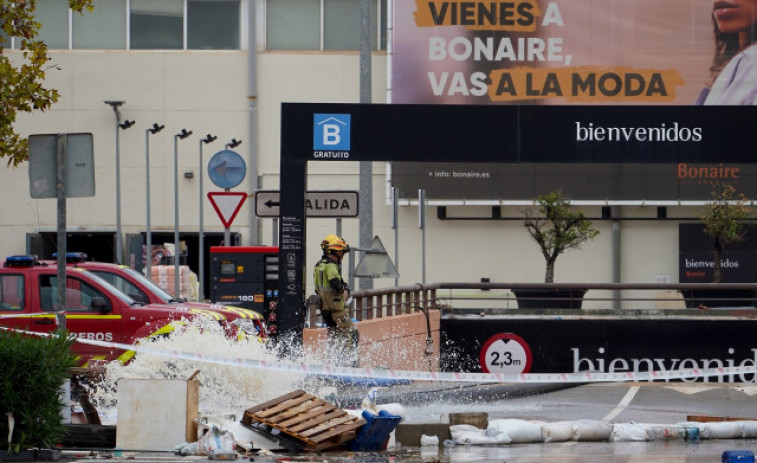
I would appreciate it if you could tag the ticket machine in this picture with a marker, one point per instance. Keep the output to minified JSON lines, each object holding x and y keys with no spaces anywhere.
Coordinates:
{"x":247,"y":276}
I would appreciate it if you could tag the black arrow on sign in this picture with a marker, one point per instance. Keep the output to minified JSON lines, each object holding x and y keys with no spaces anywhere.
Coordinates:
{"x":271,"y":203}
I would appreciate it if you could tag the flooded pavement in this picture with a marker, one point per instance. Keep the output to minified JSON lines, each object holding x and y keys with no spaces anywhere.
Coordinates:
{"x":595,"y":452}
{"x":609,"y":403}
{"x":428,"y":405}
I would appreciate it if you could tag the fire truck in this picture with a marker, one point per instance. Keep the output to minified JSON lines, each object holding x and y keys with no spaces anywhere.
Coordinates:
{"x":94,"y":309}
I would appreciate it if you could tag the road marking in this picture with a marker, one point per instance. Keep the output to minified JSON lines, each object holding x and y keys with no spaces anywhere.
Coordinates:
{"x":623,"y":404}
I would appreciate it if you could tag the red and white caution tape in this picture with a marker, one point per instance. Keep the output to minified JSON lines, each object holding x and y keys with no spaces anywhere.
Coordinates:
{"x":391,"y":374}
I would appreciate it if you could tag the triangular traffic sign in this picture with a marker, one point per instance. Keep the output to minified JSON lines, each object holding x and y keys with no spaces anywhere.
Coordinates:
{"x":227,"y":205}
{"x":376,"y":262}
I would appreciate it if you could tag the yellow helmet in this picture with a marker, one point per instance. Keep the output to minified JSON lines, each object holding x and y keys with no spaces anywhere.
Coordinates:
{"x":334,"y":243}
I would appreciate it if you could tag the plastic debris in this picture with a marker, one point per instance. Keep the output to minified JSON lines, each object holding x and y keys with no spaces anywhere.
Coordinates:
{"x":429,"y":440}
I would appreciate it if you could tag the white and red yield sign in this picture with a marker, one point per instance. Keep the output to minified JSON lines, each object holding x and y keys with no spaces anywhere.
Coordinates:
{"x":227,"y":204}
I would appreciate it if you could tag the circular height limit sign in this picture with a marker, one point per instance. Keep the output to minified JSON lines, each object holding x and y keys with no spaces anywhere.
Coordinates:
{"x":505,"y":353}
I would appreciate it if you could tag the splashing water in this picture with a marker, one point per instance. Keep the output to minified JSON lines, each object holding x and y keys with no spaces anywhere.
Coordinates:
{"x":230,"y":390}
{"x":224,"y":389}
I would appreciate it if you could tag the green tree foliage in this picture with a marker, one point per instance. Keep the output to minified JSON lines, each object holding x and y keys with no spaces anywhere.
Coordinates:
{"x":22,"y":72}
{"x":557,"y":228}
{"x":726,"y":221}
{"x":34,"y":370}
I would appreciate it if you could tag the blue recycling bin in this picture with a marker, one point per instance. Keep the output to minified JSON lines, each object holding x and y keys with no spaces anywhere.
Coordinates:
{"x":738,"y":456}
{"x":374,"y":434}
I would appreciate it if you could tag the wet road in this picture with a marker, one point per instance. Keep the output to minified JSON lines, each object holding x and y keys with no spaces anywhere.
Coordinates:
{"x":657,"y":403}
{"x":615,"y":403}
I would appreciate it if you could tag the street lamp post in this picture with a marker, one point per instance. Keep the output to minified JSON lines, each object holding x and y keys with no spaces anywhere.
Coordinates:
{"x":119,"y":125}
{"x":226,"y":233}
{"x":177,"y":271}
{"x":151,"y":131}
{"x":208,"y":139}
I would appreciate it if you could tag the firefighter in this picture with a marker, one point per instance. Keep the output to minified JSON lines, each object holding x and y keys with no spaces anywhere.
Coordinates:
{"x":334,"y":293}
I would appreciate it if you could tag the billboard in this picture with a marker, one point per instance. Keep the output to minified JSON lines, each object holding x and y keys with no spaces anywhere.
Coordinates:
{"x":696,"y":256}
{"x":567,"y":52}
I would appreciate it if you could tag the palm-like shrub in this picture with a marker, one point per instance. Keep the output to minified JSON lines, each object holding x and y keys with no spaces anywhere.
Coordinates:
{"x":32,"y":373}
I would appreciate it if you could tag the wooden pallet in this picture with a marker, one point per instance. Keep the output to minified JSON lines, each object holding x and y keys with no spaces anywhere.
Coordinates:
{"x":301,"y":418}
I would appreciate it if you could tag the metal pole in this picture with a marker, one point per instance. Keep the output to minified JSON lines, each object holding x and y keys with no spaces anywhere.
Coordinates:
{"x":616,"y":254}
{"x":208,"y":139}
{"x":422,"y":225}
{"x":153,"y":130}
{"x":116,"y":104}
{"x":201,"y":237}
{"x":366,"y":167}
{"x":148,"y":232}
{"x":60,"y":311}
{"x":119,"y":250}
{"x":177,"y":270}
{"x":227,"y":231}
{"x":396,"y":228}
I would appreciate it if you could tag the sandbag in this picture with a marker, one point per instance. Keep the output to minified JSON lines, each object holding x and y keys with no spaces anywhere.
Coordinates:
{"x":720,"y":430}
{"x":629,"y":432}
{"x":519,"y":431}
{"x":591,"y":430}
{"x":469,"y":434}
{"x":559,"y":431}
{"x":748,"y":428}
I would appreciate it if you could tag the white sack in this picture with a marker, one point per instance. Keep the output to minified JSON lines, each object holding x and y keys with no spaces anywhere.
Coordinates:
{"x":591,"y":430}
{"x":519,"y":431}
{"x":629,"y":432}
{"x":559,"y":431}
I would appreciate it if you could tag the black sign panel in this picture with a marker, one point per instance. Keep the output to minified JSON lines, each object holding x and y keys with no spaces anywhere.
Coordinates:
{"x":504,"y":134}
{"x":696,"y":261}
{"x":602,"y":345}
{"x":592,"y":136}
{"x":599,"y":182}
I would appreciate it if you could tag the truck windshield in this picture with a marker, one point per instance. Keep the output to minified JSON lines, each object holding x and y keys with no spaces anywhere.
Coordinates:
{"x":151,"y":286}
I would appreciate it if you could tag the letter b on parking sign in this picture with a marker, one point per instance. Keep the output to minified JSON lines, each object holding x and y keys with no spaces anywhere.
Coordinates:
{"x":331,"y":132}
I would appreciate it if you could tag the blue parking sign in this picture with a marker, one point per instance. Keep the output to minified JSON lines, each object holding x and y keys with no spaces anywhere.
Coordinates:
{"x":331,"y":132}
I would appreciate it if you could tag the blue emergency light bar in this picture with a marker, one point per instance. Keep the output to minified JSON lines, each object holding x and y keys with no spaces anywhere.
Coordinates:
{"x":20,"y":261}
{"x":73,"y":256}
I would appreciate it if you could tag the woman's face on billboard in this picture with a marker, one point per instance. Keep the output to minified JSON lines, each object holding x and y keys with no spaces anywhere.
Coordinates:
{"x":734,"y":16}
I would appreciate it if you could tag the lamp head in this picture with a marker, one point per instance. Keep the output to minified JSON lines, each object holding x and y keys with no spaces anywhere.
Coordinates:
{"x":209,"y":139}
{"x":184,"y":133}
{"x":126,"y":124}
{"x":233,"y":143}
{"x":156,"y":128}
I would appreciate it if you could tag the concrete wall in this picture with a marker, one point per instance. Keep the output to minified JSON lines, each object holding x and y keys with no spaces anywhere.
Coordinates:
{"x":397,"y":342}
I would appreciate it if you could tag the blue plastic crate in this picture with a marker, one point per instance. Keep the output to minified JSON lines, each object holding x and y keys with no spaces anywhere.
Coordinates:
{"x":738,"y":456}
{"x":374,"y":435}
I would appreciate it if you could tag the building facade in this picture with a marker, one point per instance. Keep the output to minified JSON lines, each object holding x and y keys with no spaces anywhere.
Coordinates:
{"x":223,"y":67}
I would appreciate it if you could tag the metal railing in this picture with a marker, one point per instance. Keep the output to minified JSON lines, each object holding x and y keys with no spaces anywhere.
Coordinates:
{"x":612,"y":298}
{"x":387,"y":302}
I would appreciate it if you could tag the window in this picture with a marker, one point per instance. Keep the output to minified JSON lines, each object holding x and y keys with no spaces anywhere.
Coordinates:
{"x":322,"y":24}
{"x":141,"y":25}
{"x":78,"y":296}
{"x":157,"y":24}
{"x":293,"y":24}
{"x":11,"y":292}
{"x":53,"y":16}
{"x":102,"y":28}
{"x":213,"y":24}
{"x":123,"y":285}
